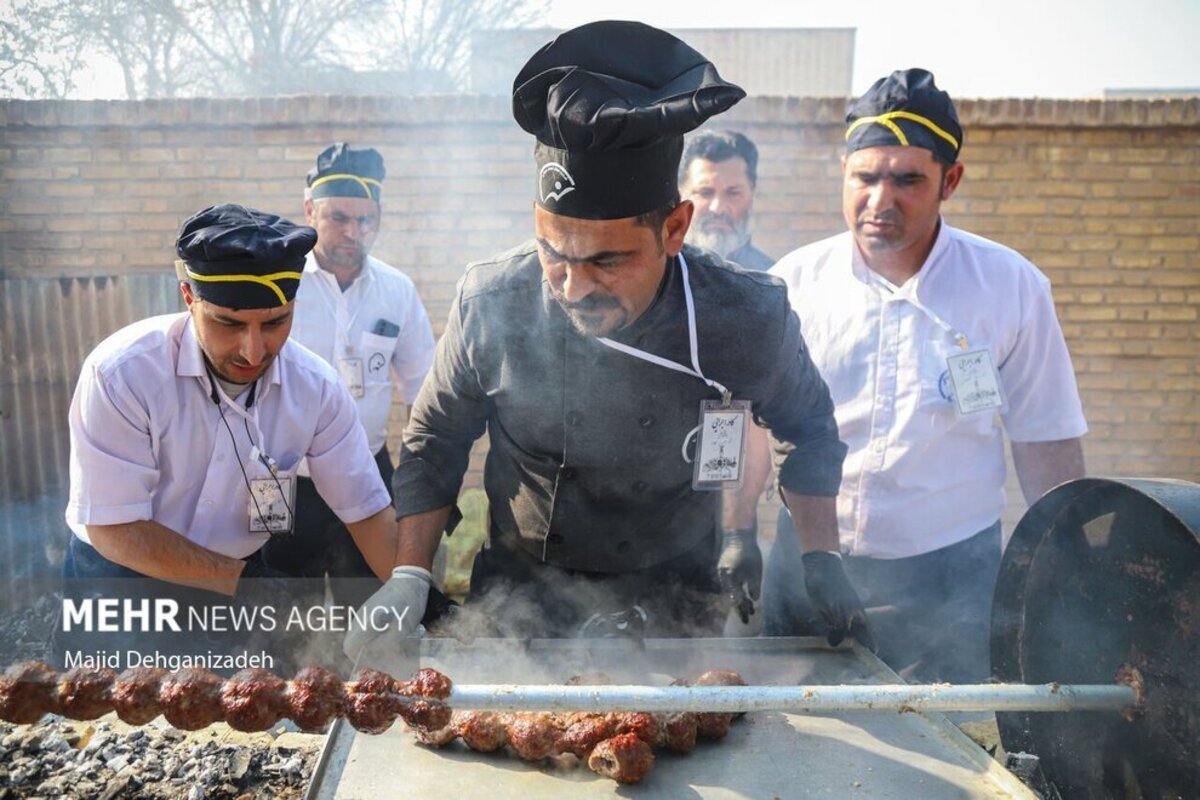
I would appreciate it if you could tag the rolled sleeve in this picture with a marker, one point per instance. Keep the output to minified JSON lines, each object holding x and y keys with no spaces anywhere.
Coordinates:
{"x":340,"y":462}
{"x":113,"y":467}
{"x":798,"y":410}
{"x":449,"y":414}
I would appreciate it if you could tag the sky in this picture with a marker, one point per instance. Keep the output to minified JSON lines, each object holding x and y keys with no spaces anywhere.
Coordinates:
{"x":1002,"y":48}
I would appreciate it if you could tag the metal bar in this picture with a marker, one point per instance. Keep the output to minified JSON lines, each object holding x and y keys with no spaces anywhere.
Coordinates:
{"x":796,"y":699}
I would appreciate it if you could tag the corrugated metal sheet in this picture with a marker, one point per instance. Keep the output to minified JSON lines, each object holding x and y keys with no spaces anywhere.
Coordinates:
{"x":47,"y":328}
{"x":785,"y":62}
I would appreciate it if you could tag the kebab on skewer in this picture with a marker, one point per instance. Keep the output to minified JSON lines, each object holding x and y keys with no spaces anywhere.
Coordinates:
{"x":250,"y":700}
{"x":616,"y":745}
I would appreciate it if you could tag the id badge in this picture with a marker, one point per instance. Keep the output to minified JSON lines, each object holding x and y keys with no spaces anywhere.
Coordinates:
{"x":271,"y":504}
{"x":720,"y":445}
{"x":351,"y":372}
{"x":976,"y":385}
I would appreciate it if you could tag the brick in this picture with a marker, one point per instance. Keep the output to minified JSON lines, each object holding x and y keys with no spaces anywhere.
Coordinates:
{"x":67,"y":154}
{"x":1103,"y":196}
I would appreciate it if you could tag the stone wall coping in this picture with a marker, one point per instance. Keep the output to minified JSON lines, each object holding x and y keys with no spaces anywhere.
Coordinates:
{"x":294,"y":111}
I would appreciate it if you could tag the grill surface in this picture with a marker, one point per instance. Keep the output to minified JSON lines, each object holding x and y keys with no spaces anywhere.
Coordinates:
{"x":767,"y":754}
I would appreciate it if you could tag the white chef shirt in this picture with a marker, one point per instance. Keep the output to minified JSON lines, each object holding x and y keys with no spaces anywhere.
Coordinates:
{"x":148,"y":443}
{"x":919,"y":476}
{"x":334,"y":324}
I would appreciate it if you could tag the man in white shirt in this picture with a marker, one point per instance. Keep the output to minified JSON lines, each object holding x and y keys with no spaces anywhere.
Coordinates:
{"x":365,"y":319}
{"x":187,"y":429}
{"x":934,"y":343}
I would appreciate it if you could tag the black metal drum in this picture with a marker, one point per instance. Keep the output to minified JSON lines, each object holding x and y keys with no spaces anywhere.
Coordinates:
{"x":1100,"y":575}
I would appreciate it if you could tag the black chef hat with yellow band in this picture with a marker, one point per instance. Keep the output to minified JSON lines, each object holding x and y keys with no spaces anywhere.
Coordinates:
{"x":905,"y":108}
{"x":345,"y":171}
{"x":240,"y":257}
{"x":609,"y":103}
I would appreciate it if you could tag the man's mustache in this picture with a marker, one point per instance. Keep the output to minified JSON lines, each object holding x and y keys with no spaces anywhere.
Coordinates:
{"x":588,"y":303}
{"x":885,"y":217}
{"x":713,"y":219}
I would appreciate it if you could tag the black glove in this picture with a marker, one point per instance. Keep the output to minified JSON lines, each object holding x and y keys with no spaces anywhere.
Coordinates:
{"x":740,"y":569}
{"x":835,"y":600}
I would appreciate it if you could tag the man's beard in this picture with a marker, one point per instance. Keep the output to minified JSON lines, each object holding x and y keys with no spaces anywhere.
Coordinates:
{"x":590,"y":324}
{"x":337,"y":259}
{"x":721,"y":240}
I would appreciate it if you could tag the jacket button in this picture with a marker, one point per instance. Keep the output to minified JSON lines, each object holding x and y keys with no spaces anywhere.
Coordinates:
{"x":574,"y":418}
{"x":568,"y":473}
{"x":623,"y":547}
{"x":639,"y":487}
{"x":646,"y":421}
{"x":555,"y":538}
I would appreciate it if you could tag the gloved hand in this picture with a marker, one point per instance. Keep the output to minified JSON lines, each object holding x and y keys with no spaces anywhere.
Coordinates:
{"x":405,"y":593}
{"x":834,"y":599}
{"x":740,"y":569}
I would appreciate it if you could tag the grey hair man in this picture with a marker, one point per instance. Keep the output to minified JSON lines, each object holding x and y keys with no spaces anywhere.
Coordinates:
{"x":719,"y":174}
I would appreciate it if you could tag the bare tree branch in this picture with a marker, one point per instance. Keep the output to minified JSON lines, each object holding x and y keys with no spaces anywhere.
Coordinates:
{"x":167,"y":48}
{"x":429,"y":40}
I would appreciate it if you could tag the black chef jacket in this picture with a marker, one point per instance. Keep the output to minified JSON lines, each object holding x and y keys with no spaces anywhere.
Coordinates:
{"x":587,"y":468}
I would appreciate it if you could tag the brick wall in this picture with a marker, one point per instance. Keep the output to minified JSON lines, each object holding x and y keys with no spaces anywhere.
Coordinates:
{"x":1104,"y":196}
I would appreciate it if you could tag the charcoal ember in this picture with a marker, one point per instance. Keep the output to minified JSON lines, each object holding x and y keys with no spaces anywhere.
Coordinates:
{"x":85,"y":693}
{"x":677,"y":732}
{"x":370,"y":712}
{"x":428,"y":683}
{"x":532,"y":735}
{"x":624,"y":758}
{"x":640,"y":724}
{"x":482,"y":731}
{"x":134,"y":694}
{"x":253,"y":700}
{"x":582,"y":732}
{"x":28,"y":691}
{"x":314,"y":698}
{"x":191,"y":698}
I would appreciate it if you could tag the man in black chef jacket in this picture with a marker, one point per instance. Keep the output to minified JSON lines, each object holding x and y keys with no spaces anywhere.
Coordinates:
{"x":586,"y":355}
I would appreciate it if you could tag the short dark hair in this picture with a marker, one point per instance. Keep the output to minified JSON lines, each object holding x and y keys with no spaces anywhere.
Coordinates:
{"x":720,"y":146}
{"x":657,"y":217}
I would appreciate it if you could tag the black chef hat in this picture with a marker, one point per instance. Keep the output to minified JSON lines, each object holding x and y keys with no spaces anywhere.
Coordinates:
{"x":345,"y":171}
{"x":609,"y":103}
{"x":905,"y":108}
{"x":239,"y":257}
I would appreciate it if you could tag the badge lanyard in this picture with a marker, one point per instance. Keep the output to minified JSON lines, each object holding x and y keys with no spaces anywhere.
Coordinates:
{"x":348,"y":362}
{"x":271,"y":499}
{"x":720,"y":436}
{"x":976,"y":383}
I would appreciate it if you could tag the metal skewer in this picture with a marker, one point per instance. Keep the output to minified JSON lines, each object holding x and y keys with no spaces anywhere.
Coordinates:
{"x":796,"y":699}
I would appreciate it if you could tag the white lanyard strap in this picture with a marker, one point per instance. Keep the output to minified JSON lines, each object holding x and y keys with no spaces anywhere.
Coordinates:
{"x":959,"y":338}
{"x":908,"y":293}
{"x":694,"y":370}
{"x":250,"y":416}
